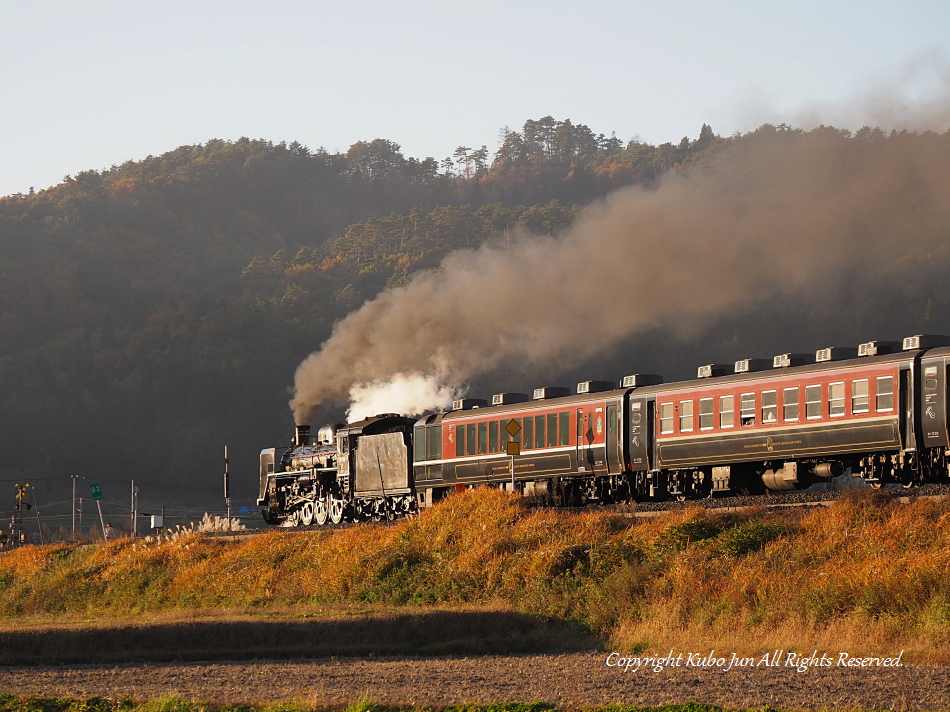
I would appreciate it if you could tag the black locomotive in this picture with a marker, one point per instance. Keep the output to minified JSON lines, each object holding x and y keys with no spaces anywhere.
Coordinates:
{"x":879,"y":411}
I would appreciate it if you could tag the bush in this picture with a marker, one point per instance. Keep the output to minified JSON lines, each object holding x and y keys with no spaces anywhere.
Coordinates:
{"x":744,"y":539}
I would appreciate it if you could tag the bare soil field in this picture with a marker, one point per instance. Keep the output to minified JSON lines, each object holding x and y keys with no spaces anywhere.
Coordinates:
{"x":570,"y":680}
{"x":335,"y":656}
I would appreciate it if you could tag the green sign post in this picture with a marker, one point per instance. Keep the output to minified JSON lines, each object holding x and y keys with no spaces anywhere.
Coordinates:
{"x":97,"y":496}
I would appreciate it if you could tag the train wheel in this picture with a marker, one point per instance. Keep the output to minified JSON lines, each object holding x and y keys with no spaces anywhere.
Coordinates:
{"x":336,"y":509}
{"x":306,"y":513}
{"x":320,"y":510}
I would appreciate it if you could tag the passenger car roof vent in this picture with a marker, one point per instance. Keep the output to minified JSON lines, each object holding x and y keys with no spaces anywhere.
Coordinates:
{"x":712,"y":369}
{"x":595,"y":386}
{"x":925,"y":341}
{"x":786,"y":360}
{"x":835,"y":353}
{"x":748,"y":365}
{"x":879,"y":348}
{"x":468,"y":403}
{"x":639,"y":380}
{"x":550,"y":392}
{"x":506,"y":398}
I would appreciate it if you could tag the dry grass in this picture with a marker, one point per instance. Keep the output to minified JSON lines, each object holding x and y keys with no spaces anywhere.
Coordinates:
{"x":866,"y":575}
{"x":10,"y":703}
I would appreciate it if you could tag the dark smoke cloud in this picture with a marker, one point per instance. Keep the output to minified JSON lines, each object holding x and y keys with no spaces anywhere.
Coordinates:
{"x":771,"y":213}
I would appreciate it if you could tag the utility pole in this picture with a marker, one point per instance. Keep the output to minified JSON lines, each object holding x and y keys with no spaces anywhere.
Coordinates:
{"x":74,"y":478}
{"x":135,"y":506}
{"x":21,"y":504}
{"x":227,"y":487}
{"x":39,"y":524}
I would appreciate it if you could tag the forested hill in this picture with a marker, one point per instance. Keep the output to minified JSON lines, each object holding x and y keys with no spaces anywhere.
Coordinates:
{"x":154,"y":311}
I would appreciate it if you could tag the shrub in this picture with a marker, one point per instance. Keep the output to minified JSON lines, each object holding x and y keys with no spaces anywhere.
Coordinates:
{"x":744,"y":539}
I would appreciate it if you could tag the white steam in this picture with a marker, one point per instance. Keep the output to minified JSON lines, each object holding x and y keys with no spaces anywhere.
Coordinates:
{"x":406,"y":394}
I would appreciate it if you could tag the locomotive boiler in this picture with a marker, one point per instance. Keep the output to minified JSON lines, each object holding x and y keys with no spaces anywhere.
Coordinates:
{"x":356,"y":472}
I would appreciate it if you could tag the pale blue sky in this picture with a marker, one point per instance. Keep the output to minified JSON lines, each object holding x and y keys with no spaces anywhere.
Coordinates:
{"x":88,"y":84}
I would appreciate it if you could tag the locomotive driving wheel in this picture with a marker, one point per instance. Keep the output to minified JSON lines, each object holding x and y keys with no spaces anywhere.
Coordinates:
{"x":320,"y":510}
{"x":306,"y":513}
{"x":336,"y":507}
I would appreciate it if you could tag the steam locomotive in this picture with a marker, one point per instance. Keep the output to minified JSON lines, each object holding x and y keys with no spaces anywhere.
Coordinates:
{"x":878,"y":411}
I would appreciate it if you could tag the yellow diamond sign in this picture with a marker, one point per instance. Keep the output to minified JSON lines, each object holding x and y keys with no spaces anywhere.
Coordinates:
{"x":513,"y":428}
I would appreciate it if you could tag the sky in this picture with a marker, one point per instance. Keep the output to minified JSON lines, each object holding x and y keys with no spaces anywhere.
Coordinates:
{"x":91,"y":84}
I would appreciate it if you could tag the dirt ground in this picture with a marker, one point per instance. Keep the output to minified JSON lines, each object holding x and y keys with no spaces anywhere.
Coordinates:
{"x":566,"y":680}
{"x":339,"y":655}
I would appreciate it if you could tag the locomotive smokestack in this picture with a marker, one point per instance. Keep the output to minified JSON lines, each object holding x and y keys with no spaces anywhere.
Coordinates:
{"x":302,"y":436}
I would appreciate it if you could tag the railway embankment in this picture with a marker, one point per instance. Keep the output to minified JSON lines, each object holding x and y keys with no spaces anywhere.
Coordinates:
{"x":483,"y":573}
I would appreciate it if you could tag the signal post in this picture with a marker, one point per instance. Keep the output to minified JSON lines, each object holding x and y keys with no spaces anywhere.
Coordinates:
{"x":513,"y":448}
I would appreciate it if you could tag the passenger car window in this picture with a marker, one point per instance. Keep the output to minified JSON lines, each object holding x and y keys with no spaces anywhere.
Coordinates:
{"x":769,"y":407}
{"x":885,"y":393}
{"x":790,"y":404}
{"x":552,"y":429}
{"x":686,"y":416}
{"x":470,"y":438}
{"x":727,"y":411}
{"x":836,"y":399}
{"x":666,"y":418}
{"x":419,"y":442}
{"x":705,"y":413}
{"x":434,"y":442}
{"x":747,"y":408}
{"x":813,"y":401}
{"x":860,"y":403}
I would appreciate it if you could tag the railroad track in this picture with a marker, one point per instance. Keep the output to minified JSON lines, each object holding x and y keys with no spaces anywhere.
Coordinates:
{"x":638,"y":510}
{"x":780,"y":501}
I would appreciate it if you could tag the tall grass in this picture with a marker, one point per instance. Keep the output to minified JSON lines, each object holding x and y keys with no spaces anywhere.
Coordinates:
{"x":866,"y":573}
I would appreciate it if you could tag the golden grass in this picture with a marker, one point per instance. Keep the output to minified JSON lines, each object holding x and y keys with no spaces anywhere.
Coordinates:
{"x":11,"y":703}
{"x":867,"y":574}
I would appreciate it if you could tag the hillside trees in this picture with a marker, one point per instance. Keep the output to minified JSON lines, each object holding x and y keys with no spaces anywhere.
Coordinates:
{"x":155,"y":309}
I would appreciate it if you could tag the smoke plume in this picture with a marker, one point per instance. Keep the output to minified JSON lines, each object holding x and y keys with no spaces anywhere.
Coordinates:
{"x":408,"y":394}
{"x":770,"y":215}
{"x":914,"y":96}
